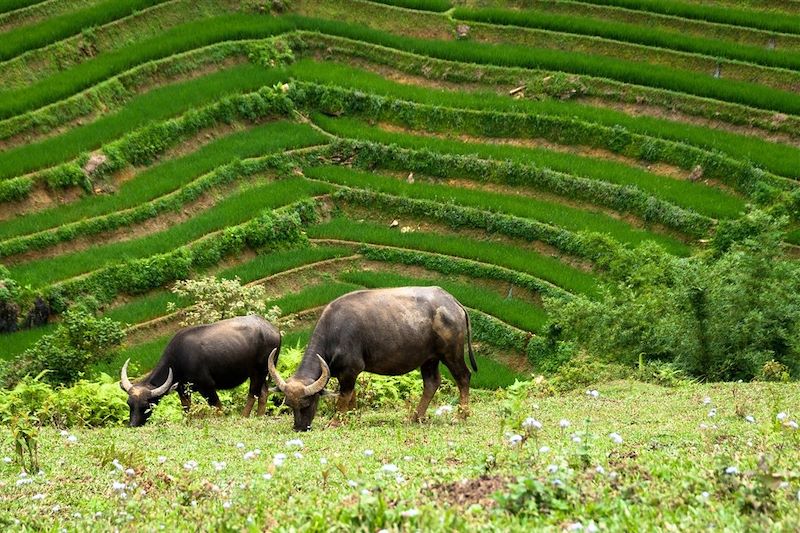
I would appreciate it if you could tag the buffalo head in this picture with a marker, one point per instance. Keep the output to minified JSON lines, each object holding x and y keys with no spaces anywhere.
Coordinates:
{"x":142,"y":397}
{"x":301,"y":395}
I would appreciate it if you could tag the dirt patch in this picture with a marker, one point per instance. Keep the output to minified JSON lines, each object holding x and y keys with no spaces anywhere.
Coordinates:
{"x":471,"y":491}
{"x":39,"y":198}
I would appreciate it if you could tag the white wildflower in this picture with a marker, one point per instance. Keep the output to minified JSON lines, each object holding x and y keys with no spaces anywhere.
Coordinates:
{"x":792,"y":424}
{"x":162,"y":459}
{"x":558,"y":483}
{"x":24,"y":481}
{"x":712,"y":413}
{"x":615,"y":437}
{"x":37,"y":496}
{"x":118,"y":485}
{"x":731,"y":470}
{"x":564,"y":423}
{"x":7,"y":459}
{"x":190,"y":465}
{"x":408,"y":458}
{"x":593,"y":393}
{"x":592,"y":527}
{"x":366,"y":492}
{"x":531,"y":423}
{"x":443,"y":409}
{"x":705,"y":495}
{"x":240,"y":445}
{"x":515,"y":439}
{"x":368,"y":453}
{"x":218,"y":465}
{"x":390,"y":467}
{"x":410,"y":513}
{"x":575,"y":526}
{"x":352,"y":483}
{"x":750,"y":418}
{"x":576,"y":439}
{"x":64,"y":433}
{"x":294,"y":442}
{"x":707,"y":400}
{"x":323,"y":461}
{"x":399,"y":479}
{"x":599,"y":469}
{"x":267,"y":476}
{"x":72,"y":438}
{"x":781,"y":416}
{"x":194,"y":503}
{"x":552,"y":468}
{"x":226,"y":505}
{"x":544,"y":449}
{"x":298,"y":455}
{"x":249,"y":455}
{"x":118,"y":465}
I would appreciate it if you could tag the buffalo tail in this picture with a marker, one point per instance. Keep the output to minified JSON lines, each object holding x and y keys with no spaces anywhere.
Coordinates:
{"x":469,"y":340}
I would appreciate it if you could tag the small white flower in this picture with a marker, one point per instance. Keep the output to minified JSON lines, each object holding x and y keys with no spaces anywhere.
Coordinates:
{"x":23,"y":474}
{"x":592,"y":527}
{"x":399,"y":479}
{"x":64,"y":432}
{"x":615,"y":437}
{"x":515,"y":439}
{"x":77,"y":515}
{"x":599,"y":469}
{"x":294,"y":442}
{"x":712,"y":413}
{"x":240,"y":445}
{"x":575,"y":526}
{"x":410,"y":513}
{"x":705,"y":495}
{"x":703,"y":426}
{"x":576,"y":439}
{"x":194,"y":503}
{"x":352,"y":483}
{"x":444,"y":409}
{"x":24,"y":481}
{"x":389,"y":467}
{"x":162,"y":459}
{"x":365,"y":492}
{"x":267,"y":476}
{"x":593,"y":393}
{"x":707,"y":400}
{"x":552,"y":469}
{"x":117,"y":485}
{"x":218,"y":465}
{"x":72,"y":438}
{"x":408,"y":458}
{"x":558,"y":483}
{"x":368,"y":453}
{"x":531,"y":423}
{"x":298,"y":455}
{"x":7,"y":459}
{"x":792,"y":424}
{"x":783,"y":485}
{"x":544,"y":449}
{"x":564,"y":423}
{"x":249,"y":455}
{"x":750,"y":419}
{"x":781,"y":416}
{"x":118,"y":465}
{"x":38,"y":496}
{"x":226,"y":505}
{"x":323,"y":461}
{"x":190,"y":465}
{"x":731,"y":470}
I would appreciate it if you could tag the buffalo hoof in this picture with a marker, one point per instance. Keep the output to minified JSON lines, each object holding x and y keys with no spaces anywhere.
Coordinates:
{"x":334,"y":423}
{"x":463,"y":412}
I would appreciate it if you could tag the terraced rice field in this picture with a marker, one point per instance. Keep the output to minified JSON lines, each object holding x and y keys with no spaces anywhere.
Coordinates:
{"x":320,"y":146}
{"x":454,"y":144}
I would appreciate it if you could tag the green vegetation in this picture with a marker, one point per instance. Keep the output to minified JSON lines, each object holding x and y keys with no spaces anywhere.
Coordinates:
{"x":29,"y":37}
{"x":10,"y":5}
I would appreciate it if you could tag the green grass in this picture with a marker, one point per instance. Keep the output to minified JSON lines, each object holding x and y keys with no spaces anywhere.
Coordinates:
{"x":659,"y":472}
{"x":13,"y":344}
{"x":235,"y":209}
{"x":146,"y":307}
{"x":426,"y":5}
{"x":54,"y":29}
{"x":513,"y":311}
{"x":779,"y":158}
{"x":779,"y":22}
{"x":267,"y":264}
{"x":11,"y":5}
{"x":704,"y":199}
{"x":557,"y":214}
{"x":157,"y":104}
{"x":173,"y":41}
{"x":313,"y":296}
{"x":495,"y":253}
{"x":633,"y":33}
{"x":170,"y":175}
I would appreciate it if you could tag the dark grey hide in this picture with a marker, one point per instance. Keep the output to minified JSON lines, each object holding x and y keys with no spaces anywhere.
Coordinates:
{"x":222,"y":355}
{"x":383,"y":331}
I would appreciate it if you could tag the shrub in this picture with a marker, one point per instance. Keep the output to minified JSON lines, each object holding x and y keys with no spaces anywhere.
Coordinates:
{"x":80,"y":340}
{"x":217,"y":299}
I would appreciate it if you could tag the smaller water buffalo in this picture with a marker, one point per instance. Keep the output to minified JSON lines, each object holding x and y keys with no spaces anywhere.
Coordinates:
{"x":222,"y":355}
{"x":383,"y":331}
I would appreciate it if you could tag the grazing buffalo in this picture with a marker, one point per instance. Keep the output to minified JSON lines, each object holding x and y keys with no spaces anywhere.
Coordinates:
{"x":214,"y":356}
{"x":383,"y":331}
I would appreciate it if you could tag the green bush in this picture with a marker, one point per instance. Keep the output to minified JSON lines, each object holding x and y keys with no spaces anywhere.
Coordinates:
{"x":80,"y":341}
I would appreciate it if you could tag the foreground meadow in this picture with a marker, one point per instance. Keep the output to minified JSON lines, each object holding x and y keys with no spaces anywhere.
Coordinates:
{"x":631,"y":456}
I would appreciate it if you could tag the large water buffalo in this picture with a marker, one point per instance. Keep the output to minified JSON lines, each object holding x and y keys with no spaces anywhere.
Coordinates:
{"x":383,"y":331}
{"x":215,"y":356}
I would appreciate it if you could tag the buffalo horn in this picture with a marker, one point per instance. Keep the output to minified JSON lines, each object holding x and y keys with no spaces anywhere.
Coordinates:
{"x":124,"y":381}
{"x":163,"y":389}
{"x":273,"y":372}
{"x":321,"y":381}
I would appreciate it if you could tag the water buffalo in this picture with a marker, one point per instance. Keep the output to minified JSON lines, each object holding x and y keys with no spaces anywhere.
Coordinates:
{"x":383,"y":331}
{"x":214,"y":356}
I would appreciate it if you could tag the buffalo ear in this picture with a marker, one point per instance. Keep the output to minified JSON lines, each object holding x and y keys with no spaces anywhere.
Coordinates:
{"x":330,"y":393}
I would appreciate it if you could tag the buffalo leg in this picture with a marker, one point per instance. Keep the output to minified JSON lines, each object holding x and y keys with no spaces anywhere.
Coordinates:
{"x":213,"y":399}
{"x":262,"y":400}
{"x":431,"y":379}
{"x":186,"y":400}
{"x":249,"y":405}
{"x":461,"y":374}
{"x":258,"y":383}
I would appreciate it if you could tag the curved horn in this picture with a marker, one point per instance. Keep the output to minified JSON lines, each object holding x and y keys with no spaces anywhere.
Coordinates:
{"x":163,"y":389}
{"x":123,"y":378}
{"x":273,"y":372}
{"x":321,"y":381}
